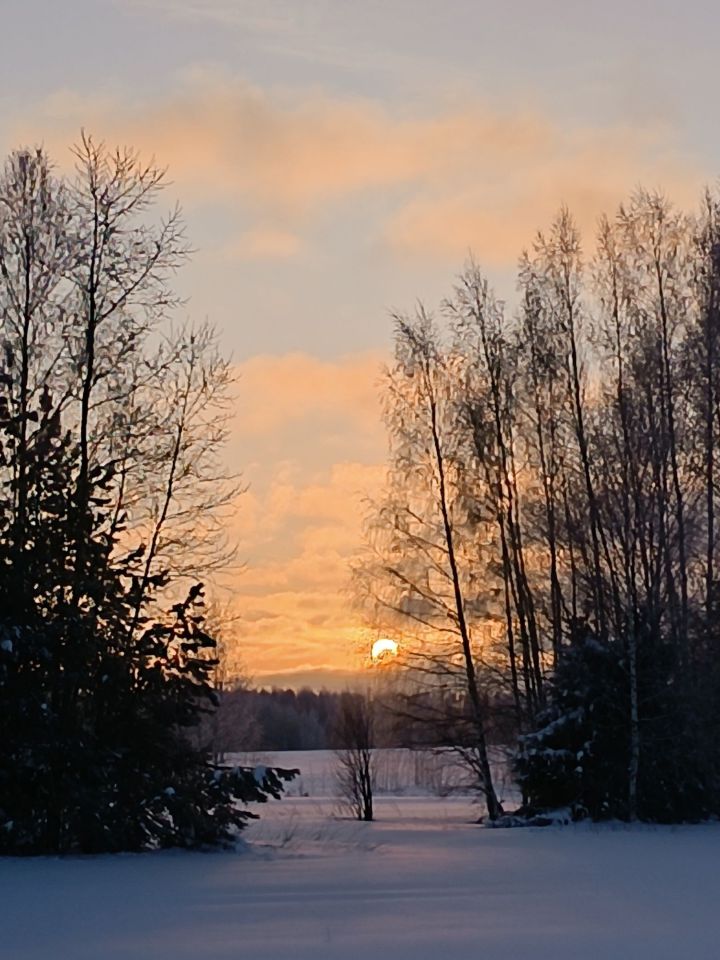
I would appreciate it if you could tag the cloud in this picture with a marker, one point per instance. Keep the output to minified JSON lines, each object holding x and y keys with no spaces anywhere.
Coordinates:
{"x":299,"y":536}
{"x":310,"y":434}
{"x":496,"y":214}
{"x":293,"y":599}
{"x":474,"y":174}
{"x":296,"y":386}
{"x":263,"y":243}
{"x":327,"y":678}
{"x":275,"y":151}
{"x":260,"y":18}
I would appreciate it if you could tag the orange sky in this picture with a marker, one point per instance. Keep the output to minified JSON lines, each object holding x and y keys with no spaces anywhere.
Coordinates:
{"x":336,"y":162}
{"x":311,"y":445}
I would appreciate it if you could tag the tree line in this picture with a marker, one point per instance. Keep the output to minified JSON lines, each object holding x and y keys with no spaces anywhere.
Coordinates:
{"x":547,"y":546}
{"x":262,"y":720}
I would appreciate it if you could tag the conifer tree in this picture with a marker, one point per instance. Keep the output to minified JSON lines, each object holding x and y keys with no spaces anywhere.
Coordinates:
{"x":94,"y":746}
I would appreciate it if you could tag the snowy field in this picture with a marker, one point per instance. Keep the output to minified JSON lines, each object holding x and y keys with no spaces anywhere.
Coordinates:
{"x":423,"y":882}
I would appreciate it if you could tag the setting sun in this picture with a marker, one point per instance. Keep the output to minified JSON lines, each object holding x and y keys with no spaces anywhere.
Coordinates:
{"x":382,"y":648}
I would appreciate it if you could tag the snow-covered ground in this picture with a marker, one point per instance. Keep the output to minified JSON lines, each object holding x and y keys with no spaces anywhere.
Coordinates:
{"x":422,"y":882}
{"x":397,"y":772}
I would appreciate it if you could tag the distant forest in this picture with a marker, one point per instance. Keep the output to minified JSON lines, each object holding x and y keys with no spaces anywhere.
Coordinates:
{"x":270,"y":720}
{"x":252,"y":720}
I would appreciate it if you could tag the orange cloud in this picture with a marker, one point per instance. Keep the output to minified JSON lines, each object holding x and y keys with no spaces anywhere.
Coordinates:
{"x":263,"y":243}
{"x":444,"y":180}
{"x":293,"y":599}
{"x":497,"y":214}
{"x":286,"y":153}
{"x":296,"y":386}
{"x":310,"y":435}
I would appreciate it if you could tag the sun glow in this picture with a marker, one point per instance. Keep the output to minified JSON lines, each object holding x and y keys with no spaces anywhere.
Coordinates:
{"x":382,"y":648}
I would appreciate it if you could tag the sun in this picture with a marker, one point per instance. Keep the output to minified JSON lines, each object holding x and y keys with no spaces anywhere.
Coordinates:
{"x":382,"y":648}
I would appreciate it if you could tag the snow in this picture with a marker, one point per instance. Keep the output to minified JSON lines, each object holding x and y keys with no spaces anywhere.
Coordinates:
{"x":423,"y":882}
{"x":398,"y":772}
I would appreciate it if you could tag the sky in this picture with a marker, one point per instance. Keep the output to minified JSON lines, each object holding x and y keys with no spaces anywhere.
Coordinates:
{"x":337,"y":161}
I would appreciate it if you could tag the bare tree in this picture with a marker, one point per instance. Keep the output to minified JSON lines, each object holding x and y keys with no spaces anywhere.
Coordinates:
{"x":36,"y":255}
{"x":489,"y":368}
{"x":424,"y":567}
{"x":355,"y":758}
{"x":87,"y":318}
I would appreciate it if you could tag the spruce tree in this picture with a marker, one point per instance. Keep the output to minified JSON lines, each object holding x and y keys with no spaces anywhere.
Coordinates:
{"x":579,"y":755}
{"x":100,"y":689}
